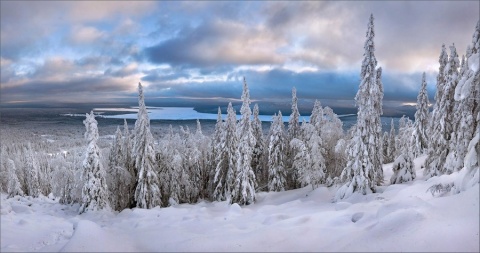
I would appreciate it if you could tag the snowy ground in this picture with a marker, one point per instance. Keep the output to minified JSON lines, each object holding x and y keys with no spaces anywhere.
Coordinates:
{"x":399,"y":218}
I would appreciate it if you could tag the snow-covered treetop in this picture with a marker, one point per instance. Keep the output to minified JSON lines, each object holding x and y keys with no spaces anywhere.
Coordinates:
{"x":219,"y":116}
{"x":256,"y":111}
{"x":90,"y":123}
{"x":443,"y":60}
{"x":245,"y":110}
{"x":369,"y":62}
{"x":476,"y":39}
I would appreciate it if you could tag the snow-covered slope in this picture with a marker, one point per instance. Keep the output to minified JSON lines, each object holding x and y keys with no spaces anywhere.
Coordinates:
{"x":404,"y":217}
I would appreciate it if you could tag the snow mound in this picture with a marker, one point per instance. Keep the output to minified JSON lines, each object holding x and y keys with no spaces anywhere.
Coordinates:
{"x":90,"y":237}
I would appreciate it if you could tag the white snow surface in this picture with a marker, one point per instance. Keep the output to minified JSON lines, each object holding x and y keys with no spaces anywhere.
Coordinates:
{"x":400,"y":217}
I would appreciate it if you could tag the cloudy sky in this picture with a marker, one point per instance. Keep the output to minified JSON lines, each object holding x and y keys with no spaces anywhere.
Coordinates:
{"x":196,"y":53}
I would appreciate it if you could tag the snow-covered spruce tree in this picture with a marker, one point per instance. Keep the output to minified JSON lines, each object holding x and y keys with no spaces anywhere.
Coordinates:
{"x":437,"y":147}
{"x":203,"y":145}
{"x":442,"y":127}
{"x":385,"y":139}
{"x":362,"y":173}
{"x":317,"y":115}
{"x":215,"y":150}
{"x":147,"y":192}
{"x":119,"y":178}
{"x":129,"y":162}
{"x":421,"y":120}
{"x":219,"y":160}
{"x":391,"y":149}
{"x":258,"y":164}
{"x":466,"y":96}
{"x":330,"y":132}
{"x":292,"y":132}
{"x":276,"y":155}
{"x":171,"y":167}
{"x":315,"y":173}
{"x":403,"y":166}
{"x":95,"y":189}
{"x":226,"y":159}
{"x":32,"y":170}
{"x":13,"y":186}
{"x":243,"y":190}
{"x":375,"y":149}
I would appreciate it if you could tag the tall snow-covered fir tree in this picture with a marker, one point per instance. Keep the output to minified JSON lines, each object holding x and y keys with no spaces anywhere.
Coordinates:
{"x":317,"y":115}
{"x":467,"y":94}
{"x":147,"y":191}
{"x":129,"y":162}
{"x":422,"y":117}
{"x":441,"y":121}
{"x":95,"y":189}
{"x":243,"y":190}
{"x":220,"y":160}
{"x":276,"y":155}
{"x":466,"y":98}
{"x":258,"y":163}
{"x":31,"y":171}
{"x":226,"y":159}
{"x":292,"y":132}
{"x":364,"y":167}
{"x":120,"y":179}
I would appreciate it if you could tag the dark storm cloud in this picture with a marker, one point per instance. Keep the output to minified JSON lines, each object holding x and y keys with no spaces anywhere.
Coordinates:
{"x":217,"y":43}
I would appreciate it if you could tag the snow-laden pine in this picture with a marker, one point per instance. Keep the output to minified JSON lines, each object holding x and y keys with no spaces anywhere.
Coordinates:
{"x":31,"y":171}
{"x":258,"y":159}
{"x":438,"y":144}
{"x":95,"y":189}
{"x":364,"y":167}
{"x":147,"y":191}
{"x":14,"y":187}
{"x":277,"y":176}
{"x":293,"y":131}
{"x":226,"y":159}
{"x":403,"y":167}
{"x":309,"y":160}
{"x":119,"y":178}
{"x":422,"y":117}
{"x":243,"y":190}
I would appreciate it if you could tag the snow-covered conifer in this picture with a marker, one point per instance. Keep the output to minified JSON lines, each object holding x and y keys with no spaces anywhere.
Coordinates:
{"x":147,"y":191}
{"x":292,"y":132}
{"x":364,"y":168}
{"x":442,"y":115}
{"x":120,"y":179}
{"x":32,"y":171}
{"x":315,"y":174}
{"x":403,"y":166}
{"x":331,"y":131}
{"x":317,"y":115}
{"x":258,"y":164}
{"x":276,"y":155}
{"x":467,"y":96}
{"x":129,"y":162}
{"x":14,"y":187}
{"x":421,"y":120}
{"x":226,"y":159}
{"x":243,"y":191}
{"x":95,"y":189}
